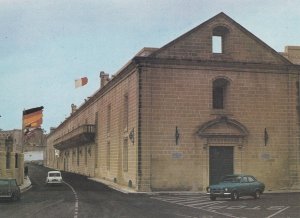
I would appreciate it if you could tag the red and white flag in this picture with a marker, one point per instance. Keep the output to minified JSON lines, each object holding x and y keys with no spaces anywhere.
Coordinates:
{"x":81,"y":82}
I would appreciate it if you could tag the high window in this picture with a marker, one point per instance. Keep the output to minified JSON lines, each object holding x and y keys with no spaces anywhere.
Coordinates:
{"x":126,"y":111}
{"x":108,"y":118}
{"x":220,"y":87}
{"x":219,"y":36}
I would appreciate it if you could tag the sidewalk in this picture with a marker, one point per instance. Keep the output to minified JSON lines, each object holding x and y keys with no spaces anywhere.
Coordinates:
{"x":26,"y":184}
{"x":114,"y":186}
{"x":128,"y":190}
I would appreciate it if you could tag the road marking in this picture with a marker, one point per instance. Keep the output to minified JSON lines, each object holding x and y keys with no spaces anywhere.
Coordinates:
{"x":76,"y":209}
{"x":203,"y":203}
{"x":278,"y":212}
{"x":196,"y":202}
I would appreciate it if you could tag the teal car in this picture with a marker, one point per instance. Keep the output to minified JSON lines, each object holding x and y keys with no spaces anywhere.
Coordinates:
{"x":235,"y":186}
{"x":9,"y":189}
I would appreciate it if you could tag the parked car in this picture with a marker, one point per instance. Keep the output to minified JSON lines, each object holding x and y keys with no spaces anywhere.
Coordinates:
{"x":54,"y":177}
{"x":9,"y":189}
{"x":235,"y":186}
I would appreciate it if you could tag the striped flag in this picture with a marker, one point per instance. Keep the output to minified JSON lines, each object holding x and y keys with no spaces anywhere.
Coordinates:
{"x":81,"y":82}
{"x":33,"y":118}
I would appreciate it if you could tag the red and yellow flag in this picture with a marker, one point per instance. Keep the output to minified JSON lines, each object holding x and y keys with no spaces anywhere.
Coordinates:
{"x":33,"y":118}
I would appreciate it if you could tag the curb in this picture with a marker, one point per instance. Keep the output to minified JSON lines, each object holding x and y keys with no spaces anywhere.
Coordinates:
{"x":126,"y":190}
{"x":26,"y":185}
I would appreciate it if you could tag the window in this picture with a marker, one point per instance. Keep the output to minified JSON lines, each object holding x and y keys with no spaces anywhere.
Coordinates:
{"x":125,"y":155}
{"x":73,"y":156}
{"x":219,"y":93}
{"x":108,"y":156}
{"x":217,"y":44}
{"x":251,"y":179}
{"x":7,"y":160}
{"x":16,"y":160}
{"x":219,"y":36}
{"x":126,"y":111}
{"x":108,"y":118}
{"x":77,"y":156}
{"x":96,"y":144}
{"x":244,"y":179}
{"x":85,"y":155}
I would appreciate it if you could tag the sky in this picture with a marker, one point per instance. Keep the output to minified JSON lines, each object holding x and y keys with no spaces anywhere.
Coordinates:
{"x":46,"y":44}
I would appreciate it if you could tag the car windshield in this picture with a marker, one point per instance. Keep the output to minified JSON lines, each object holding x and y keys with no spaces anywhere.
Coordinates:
{"x":54,"y":174}
{"x":231,"y":179}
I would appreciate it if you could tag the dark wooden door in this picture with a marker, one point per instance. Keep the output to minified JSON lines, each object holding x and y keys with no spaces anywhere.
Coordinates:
{"x":220,"y":162}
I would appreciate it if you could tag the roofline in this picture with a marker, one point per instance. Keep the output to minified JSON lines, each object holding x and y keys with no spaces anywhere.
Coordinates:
{"x":222,"y":14}
{"x":118,"y":76}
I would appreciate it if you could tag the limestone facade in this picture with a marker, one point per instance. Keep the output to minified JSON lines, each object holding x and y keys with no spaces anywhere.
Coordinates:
{"x":11,"y":156}
{"x":182,"y":116}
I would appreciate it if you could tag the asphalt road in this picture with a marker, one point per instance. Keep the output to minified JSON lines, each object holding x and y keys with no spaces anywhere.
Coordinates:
{"x":80,"y":197}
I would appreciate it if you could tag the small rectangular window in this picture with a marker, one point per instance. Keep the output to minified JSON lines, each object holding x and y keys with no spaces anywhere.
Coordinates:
{"x":126,"y":111}
{"x":217,"y":44}
{"x":108,"y":118}
{"x":125,"y":155}
{"x":85,"y":155}
{"x":77,"y":156}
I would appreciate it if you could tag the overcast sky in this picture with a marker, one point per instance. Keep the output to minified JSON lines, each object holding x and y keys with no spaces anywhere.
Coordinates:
{"x":46,"y":44}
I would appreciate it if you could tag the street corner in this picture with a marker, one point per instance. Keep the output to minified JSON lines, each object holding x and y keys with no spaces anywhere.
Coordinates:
{"x":26,"y":184}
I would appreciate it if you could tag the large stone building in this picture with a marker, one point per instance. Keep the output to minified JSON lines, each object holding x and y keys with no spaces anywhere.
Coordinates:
{"x":215,"y":101}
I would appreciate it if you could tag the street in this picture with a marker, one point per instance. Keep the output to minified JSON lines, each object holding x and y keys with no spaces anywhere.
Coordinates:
{"x":80,"y":197}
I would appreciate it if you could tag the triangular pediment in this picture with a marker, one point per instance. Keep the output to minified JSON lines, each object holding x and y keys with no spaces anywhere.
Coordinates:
{"x":238,"y":43}
{"x":222,"y":127}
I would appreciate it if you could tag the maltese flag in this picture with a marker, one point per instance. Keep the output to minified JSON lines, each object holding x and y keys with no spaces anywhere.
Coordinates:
{"x":81,"y":82}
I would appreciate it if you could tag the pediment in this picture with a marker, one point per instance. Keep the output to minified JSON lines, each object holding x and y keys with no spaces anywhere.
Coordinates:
{"x":222,"y":127}
{"x":241,"y":45}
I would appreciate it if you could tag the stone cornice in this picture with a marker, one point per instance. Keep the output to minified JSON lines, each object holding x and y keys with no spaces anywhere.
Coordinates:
{"x":216,"y":65}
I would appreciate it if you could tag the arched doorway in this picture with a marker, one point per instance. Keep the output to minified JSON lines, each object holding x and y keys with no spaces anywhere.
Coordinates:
{"x":223,"y":140}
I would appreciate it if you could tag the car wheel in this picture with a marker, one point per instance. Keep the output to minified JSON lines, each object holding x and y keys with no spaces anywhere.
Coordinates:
{"x":257,"y":194}
{"x":15,"y":197}
{"x":234,"y":196}
{"x":213,"y":198}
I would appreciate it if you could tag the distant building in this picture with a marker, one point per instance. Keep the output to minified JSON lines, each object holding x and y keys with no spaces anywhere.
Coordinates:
{"x":35,"y":146}
{"x":217,"y":100}
{"x":11,"y":156}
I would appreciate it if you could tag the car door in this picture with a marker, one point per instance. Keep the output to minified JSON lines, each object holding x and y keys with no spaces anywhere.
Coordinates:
{"x":252,"y":185}
{"x":244,"y":186}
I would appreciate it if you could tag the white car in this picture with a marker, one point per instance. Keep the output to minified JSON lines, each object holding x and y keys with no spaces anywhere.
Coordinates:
{"x":54,"y":177}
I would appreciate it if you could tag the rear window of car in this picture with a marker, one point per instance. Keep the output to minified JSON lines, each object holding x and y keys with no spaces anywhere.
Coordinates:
{"x":54,"y":174}
{"x":4,"y":183}
{"x":251,"y":179}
